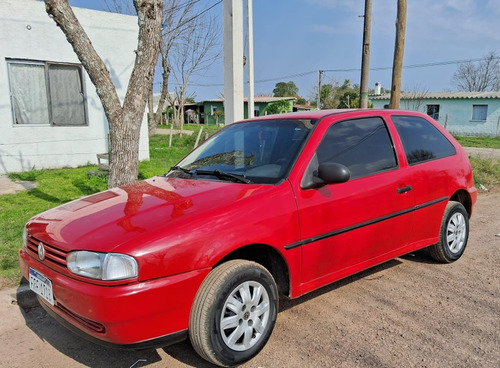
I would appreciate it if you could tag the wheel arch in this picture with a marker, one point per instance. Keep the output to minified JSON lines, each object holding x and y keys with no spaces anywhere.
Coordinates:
{"x":463,"y":197}
{"x":269,"y":258}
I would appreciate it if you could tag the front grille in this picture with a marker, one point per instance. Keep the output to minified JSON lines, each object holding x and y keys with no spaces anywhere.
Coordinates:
{"x":55,"y":258}
{"x":91,"y":325}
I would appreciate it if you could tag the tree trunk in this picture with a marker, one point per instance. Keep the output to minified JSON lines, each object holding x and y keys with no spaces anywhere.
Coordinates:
{"x":124,"y":121}
{"x":151,"y":112}
{"x":397,"y":66}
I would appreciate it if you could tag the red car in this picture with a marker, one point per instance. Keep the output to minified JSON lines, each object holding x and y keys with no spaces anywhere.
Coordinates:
{"x":281,"y":204}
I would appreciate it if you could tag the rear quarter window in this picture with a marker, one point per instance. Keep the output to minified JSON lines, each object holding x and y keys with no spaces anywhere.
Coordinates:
{"x":421,"y":140}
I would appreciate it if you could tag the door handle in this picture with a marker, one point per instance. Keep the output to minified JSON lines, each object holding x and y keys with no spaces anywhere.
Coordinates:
{"x":404,"y":189}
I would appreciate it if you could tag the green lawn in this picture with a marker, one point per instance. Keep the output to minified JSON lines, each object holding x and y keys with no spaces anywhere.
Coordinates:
{"x":55,"y":187}
{"x":482,"y":142}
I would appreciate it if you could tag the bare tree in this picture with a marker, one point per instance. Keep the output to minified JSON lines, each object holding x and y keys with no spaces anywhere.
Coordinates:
{"x":189,"y":45}
{"x":176,"y":18}
{"x":479,"y":76}
{"x":193,"y":50}
{"x":119,"y":6}
{"x":124,"y":120}
{"x":414,"y":98}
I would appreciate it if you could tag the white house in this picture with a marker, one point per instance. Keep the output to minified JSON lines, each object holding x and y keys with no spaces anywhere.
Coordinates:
{"x":50,"y":114}
{"x":461,"y":113}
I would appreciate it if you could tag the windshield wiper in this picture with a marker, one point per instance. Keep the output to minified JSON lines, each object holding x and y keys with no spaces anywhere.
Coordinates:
{"x":178,"y":168}
{"x":224,"y":175}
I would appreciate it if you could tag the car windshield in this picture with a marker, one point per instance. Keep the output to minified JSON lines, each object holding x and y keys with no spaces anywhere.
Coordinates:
{"x":249,"y":152}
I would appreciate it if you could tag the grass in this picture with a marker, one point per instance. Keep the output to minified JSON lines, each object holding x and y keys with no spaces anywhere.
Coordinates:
{"x":481,"y":142}
{"x":55,"y":187}
{"x":486,"y":172}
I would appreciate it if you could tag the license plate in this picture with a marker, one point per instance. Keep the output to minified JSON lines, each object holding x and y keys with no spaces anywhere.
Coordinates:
{"x":41,"y":285}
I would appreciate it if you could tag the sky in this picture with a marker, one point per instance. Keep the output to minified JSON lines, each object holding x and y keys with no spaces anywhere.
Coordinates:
{"x":294,"y":39}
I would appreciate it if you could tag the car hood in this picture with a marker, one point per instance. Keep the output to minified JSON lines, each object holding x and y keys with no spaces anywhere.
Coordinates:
{"x":106,"y":220}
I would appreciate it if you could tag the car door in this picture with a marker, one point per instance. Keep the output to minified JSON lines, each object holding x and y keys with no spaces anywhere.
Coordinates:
{"x":348,"y":226}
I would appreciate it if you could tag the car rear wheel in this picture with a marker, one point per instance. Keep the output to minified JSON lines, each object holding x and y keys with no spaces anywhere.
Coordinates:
{"x":233,"y":313}
{"x":453,"y":234}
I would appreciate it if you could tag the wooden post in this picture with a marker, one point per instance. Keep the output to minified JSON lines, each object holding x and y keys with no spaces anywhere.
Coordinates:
{"x":397,"y":66}
{"x":365,"y":58}
{"x":171,"y":133}
{"x":198,"y":137}
{"x":318,"y":103}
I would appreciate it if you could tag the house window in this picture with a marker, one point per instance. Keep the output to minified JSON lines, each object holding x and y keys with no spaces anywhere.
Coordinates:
{"x":45,"y":93}
{"x":213,"y":109}
{"x":256,"y":111}
{"x":433,"y":111}
{"x":479,"y":112}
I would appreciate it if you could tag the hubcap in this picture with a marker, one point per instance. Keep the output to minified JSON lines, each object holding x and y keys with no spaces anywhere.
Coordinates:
{"x":456,"y":233}
{"x":245,"y":316}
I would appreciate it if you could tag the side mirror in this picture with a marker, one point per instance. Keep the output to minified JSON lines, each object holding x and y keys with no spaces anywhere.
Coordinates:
{"x":327,"y":173}
{"x":332,"y":173}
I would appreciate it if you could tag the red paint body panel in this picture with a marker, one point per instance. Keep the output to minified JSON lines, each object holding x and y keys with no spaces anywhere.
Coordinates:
{"x":179,"y":229}
{"x":129,"y":313}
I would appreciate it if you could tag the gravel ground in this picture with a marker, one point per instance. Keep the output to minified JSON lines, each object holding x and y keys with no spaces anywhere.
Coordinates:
{"x":409,"y":312}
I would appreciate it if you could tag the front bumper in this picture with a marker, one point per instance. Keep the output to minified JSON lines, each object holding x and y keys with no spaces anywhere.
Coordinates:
{"x":142,"y":314}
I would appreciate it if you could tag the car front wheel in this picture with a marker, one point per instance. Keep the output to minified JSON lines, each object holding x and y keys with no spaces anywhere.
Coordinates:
{"x":233,"y":313}
{"x":453,"y":235}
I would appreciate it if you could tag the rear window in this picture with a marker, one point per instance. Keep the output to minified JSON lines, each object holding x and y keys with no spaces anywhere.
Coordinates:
{"x":422,"y":141}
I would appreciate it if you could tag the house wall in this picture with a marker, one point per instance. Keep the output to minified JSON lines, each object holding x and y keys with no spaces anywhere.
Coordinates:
{"x":207,"y":109}
{"x":455,"y":114}
{"x":27,"y":32}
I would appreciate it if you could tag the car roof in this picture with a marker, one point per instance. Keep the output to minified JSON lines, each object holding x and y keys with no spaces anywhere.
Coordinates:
{"x":318,"y":114}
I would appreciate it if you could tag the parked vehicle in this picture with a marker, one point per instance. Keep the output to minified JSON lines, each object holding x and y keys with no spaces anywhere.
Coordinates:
{"x":280,"y":204}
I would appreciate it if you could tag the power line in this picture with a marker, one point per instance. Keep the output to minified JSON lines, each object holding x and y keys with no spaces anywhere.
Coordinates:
{"x":303,"y":74}
{"x":411,"y":66}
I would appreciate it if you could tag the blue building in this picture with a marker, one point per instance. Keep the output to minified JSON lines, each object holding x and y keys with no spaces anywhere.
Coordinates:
{"x":461,"y":113}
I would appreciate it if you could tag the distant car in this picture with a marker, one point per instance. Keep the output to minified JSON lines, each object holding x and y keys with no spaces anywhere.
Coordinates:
{"x":281,"y":204}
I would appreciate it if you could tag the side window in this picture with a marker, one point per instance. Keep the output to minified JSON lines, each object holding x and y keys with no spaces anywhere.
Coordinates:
{"x":422,"y":141}
{"x":363,"y":145}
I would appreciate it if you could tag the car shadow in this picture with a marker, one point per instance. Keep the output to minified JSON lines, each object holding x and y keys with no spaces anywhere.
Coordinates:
{"x":286,"y":303}
{"x":420,"y":256}
{"x":185,"y":353}
{"x":93,"y":355}
{"x":73,"y":346}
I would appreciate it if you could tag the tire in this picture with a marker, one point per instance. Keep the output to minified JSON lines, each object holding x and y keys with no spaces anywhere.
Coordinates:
{"x":453,"y":234}
{"x":233,"y":313}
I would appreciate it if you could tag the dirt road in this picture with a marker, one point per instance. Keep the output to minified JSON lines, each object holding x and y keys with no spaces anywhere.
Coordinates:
{"x":410,"y":312}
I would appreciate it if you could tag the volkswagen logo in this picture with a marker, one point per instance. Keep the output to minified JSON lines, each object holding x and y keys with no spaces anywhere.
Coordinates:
{"x":41,"y":251}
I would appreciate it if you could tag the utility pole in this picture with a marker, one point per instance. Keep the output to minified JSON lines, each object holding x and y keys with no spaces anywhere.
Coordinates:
{"x":397,"y":66}
{"x":365,"y":58}
{"x":233,"y":60}
{"x":318,"y":101}
{"x":250,"y":60}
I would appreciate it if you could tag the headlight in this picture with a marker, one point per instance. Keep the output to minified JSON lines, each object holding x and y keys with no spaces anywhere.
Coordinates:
{"x":25,"y":237}
{"x":102,"y":266}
